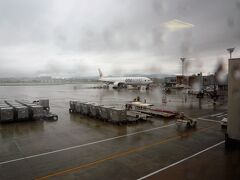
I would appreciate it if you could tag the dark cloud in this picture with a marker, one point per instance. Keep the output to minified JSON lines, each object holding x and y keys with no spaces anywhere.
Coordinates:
{"x":238,"y":4}
{"x":47,"y":35}
{"x":22,"y":21}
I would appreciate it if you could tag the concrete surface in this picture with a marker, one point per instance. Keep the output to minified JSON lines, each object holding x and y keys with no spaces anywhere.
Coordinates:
{"x":76,"y":147}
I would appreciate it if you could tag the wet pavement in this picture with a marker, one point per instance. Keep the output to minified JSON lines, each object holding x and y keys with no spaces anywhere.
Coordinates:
{"x":216,"y":163}
{"x":77,"y":147}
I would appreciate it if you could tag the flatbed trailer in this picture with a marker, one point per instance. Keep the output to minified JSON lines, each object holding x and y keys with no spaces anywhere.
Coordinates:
{"x":50,"y":116}
{"x":158,"y":113}
{"x":150,"y":109}
{"x":134,"y":116}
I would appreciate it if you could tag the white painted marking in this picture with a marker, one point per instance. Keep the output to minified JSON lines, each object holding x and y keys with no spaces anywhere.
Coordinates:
{"x":83,"y":145}
{"x":178,"y":162}
{"x":210,"y":120}
{"x":221,"y":115}
{"x":213,"y":115}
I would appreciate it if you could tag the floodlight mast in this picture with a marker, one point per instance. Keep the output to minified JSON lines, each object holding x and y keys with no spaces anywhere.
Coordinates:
{"x":230,"y":50}
{"x":183,"y":60}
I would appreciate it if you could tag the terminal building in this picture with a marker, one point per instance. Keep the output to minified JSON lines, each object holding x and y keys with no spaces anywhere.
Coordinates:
{"x":190,"y":81}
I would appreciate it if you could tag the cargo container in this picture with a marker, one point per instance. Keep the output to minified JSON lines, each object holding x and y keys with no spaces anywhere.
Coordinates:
{"x":23,"y":109}
{"x":3,"y":104}
{"x":6,"y":114}
{"x":104,"y":112}
{"x":117,"y":115}
{"x":73,"y":106}
{"x":36,"y":111}
{"x":78,"y":107}
{"x":94,"y":110}
{"x":24,"y":102}
{"x":12,"y":103}
{"x":21,"y":112}
{"x":86,"y":108}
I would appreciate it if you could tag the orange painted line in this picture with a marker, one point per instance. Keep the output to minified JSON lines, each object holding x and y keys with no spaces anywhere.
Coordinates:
{"x":119,"y":154}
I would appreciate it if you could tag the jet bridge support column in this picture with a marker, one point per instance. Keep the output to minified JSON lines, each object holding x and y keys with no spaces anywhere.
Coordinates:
{"x":233,"y":129}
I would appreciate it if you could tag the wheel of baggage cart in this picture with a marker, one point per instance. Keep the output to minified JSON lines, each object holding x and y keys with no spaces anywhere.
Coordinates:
{"x":195,"y":124}
{"x":188,"y":125}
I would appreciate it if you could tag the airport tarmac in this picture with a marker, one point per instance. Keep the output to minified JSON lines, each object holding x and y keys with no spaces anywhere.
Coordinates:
{"x":77,"y":147}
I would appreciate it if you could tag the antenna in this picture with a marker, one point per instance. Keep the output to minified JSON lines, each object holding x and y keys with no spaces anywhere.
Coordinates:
{"x":230,"y":50}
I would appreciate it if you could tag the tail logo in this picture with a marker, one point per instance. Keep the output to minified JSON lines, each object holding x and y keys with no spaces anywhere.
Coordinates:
{"x":100,"y":73}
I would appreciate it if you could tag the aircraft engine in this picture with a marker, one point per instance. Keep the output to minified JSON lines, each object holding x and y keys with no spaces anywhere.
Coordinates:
{"x":118,"y":85}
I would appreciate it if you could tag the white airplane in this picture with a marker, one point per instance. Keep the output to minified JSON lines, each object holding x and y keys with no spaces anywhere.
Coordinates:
{"x":119,"y":82}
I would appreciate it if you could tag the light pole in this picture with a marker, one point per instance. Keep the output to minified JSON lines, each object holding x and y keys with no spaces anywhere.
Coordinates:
{"x":230,"y":50}
{"x":182,"y":59}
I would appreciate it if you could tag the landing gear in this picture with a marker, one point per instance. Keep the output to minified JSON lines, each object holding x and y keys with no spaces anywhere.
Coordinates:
{"x":120,"y":86}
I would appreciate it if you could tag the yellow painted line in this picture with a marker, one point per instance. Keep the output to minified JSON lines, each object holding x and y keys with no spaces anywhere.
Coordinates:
{"x":85,"y":145}
{"x":119,"y":154}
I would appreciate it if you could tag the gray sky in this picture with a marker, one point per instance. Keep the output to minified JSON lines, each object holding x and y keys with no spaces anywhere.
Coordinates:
{"x":68,"y":38}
